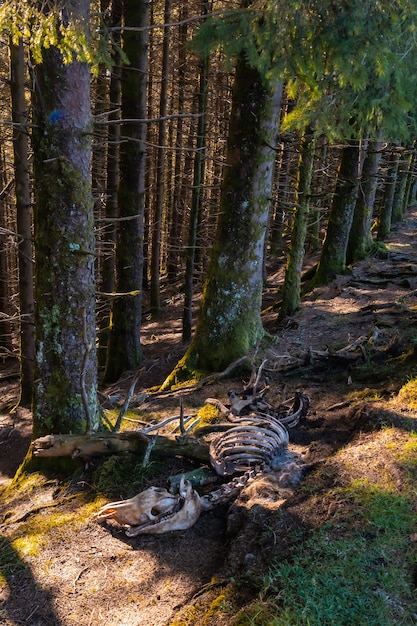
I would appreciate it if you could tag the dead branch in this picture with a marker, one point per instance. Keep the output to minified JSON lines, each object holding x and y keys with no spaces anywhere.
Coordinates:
{"x":91,"y":445}
{"x":127,"y":401}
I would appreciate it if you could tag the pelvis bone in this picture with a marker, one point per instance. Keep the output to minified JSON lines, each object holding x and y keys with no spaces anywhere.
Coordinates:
{"x":155,"y":511}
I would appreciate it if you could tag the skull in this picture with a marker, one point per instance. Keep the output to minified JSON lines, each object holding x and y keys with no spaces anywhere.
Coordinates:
{"x":155,"y":510}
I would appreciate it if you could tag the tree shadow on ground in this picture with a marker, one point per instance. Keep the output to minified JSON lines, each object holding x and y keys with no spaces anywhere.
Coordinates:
{"x":15,"y":437}
{"x":23,"y":591}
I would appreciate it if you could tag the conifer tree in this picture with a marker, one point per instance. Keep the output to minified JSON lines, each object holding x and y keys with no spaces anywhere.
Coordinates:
{"x":333,"y":254}
{"x":229,"y":322}
{"x":65,"y":398}
{"x":124,"y":349}
{"x":24,"y":220}
{"x":360,"y":236}
{"x":292,"y":282}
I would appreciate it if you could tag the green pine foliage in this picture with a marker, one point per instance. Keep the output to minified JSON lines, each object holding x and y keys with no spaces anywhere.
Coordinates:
{"x":42,"y":29}
{"x":45,"y":30}
{"x":350,"y":66}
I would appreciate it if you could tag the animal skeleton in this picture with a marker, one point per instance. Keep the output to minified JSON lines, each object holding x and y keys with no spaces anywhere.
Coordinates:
{"x":250,"y":444}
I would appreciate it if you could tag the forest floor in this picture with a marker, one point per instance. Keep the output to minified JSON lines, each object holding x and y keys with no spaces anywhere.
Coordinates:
{"x":351,"y":348}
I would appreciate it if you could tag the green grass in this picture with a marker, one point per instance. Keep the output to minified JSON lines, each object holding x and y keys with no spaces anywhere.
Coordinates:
{"x":10,"y":561}
{"x":358,"y":571}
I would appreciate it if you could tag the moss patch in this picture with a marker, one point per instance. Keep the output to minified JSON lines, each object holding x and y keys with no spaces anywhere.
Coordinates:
{"x":408,"y":393}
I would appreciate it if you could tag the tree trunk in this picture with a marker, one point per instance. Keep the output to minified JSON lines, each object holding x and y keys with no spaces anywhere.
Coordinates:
{"x":411,"y":177}
{"x":24,"y":221}
{"x":292,"y":283}
{"x":160,"y":169}
{"x":108,"y":230}
{"x":385,"y":217}
{"x":360,"y":238}
{"x":198,"y":180}
{"x":87,"y":446}
{"x":178,"y":204}
{"x":398,"y":205}
{"x":65,"y":398}
{"x":151,"y":140}
{"x":283,"y":201}
{"x":124,"y":350}
{"x":313,"y":230}
{"x":333,"y":255}
{"x":6,"y":335}
{"x":229,"y":323}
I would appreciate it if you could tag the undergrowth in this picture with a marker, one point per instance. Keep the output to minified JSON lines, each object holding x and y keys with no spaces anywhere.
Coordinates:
{"x":121,"y":475}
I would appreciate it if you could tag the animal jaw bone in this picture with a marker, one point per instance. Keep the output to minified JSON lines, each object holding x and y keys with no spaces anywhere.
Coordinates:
{"x":141,"y":509}
{"x":183,"y":516}
{"x":155,"y":511}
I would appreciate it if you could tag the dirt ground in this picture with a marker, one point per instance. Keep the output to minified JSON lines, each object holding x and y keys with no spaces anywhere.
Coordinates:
{"x":350,"y":348}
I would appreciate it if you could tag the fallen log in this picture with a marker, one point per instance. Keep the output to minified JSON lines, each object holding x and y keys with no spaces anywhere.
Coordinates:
{"x":90,"y":445}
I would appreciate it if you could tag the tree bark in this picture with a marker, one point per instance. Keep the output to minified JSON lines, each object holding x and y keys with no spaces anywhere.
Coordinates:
{"x":360,"y":237}
{"x":6,"y":330}
{"x":196,"y":199}
{"x":87,"y":446}
{"x":24,"y":221}
{"x":385,"y":217}
{"x":319,"y":191}
{"x":229,"y":323}
{"x":178,"y":204}
{"x":411,"y":177}
{"x":124,"y":349}
{"x":65,"y":394}
{"x":160,"y":170}
{"x":108,"y":230}
{"x":398,"y":205}
{"x":333,"y":255}
{"x":292,"y":283}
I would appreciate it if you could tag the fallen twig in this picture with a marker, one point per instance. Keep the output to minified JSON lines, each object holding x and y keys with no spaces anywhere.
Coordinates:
{"x":126,"y":402}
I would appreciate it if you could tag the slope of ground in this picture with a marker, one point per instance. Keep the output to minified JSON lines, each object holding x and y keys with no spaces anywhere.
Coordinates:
{"x":351,"y":348}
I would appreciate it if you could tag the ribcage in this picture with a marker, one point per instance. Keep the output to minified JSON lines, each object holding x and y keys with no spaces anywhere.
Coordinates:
{"x":251,"y":442}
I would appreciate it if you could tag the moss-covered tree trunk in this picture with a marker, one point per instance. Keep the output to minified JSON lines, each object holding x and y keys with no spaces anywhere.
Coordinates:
{"x":24,"y":220}
{"x":65,"y":392}
{"x":292,"y":283}
{"x":124,"y":349}
{"x":333,"y":255}
{"x":229,"y":322}
{"x":360,"y":237}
